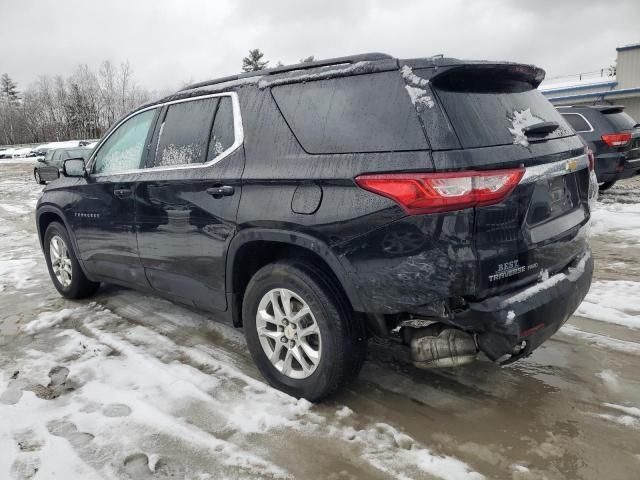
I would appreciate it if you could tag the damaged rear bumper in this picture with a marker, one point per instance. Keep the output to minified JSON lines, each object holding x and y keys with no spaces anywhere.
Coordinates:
{"x":530,"y":315}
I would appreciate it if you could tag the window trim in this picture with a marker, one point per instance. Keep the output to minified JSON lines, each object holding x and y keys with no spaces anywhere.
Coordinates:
{"x":238,"y":137}
{"x":583,"y":117}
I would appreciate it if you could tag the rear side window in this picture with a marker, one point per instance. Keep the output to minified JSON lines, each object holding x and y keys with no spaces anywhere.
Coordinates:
{"x":361,"y":113}
{"x":578,"y":122}
{"x":222,"y":133}
{"x":620,"y":120}
{"x":486,"y":109}
{"x":184,"y":133}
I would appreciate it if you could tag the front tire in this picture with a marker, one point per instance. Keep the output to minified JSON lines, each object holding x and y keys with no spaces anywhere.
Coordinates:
{"x":36,"y":175}
{"x":301,"y":331}
{"x":65,"y":271}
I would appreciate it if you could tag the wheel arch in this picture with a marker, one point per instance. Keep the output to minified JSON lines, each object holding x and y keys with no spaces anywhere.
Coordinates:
{"x":252,"y":249}
{"x":45,"y":215}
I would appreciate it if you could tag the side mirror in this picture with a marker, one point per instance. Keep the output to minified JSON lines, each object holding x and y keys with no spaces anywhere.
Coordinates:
{"x":74,"y":167}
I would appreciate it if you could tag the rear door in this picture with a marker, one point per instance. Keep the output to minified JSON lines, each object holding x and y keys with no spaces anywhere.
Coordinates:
{"x":187,"y":199}
{"x":501,"y":120}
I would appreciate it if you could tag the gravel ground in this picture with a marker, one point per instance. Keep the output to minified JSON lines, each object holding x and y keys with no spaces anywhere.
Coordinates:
{"x":127,"y":385}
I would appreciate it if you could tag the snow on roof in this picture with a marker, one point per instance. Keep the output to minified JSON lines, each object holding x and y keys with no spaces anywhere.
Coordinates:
{"x":21,"y":151}
{"x":67,"y":144}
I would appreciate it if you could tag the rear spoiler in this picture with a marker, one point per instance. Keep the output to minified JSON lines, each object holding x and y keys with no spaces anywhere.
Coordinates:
{"x":447,"y":68}
{"x":609,"y":108}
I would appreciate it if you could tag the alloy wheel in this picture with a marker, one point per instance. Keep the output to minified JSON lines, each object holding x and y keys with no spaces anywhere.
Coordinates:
{"x":60,"y":260}
{"x":289,"y":333}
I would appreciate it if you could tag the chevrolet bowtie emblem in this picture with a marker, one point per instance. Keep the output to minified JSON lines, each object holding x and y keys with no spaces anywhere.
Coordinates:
{"x":571,"y":165}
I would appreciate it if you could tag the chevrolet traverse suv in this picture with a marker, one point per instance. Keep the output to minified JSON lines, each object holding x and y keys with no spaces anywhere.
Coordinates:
{"x":438,"y":204}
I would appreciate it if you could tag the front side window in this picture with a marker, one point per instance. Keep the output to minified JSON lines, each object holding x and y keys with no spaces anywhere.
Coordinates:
{"x":123,"y":149}
{"x":184,"y":133}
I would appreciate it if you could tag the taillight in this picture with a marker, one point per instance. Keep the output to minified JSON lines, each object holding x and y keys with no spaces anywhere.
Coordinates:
{"x":440,"y":192}
{"x":592,"y":160}
{"x":616,"y":139}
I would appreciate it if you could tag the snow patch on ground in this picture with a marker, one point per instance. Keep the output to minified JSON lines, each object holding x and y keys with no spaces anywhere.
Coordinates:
{"x":617,"y":218}
{"x":129,"y":386}
{"x":610,"y":380}
{"x":613,"y":302}
{"x":603,"y":341}
{"x":630,"y":415}
{"x":48,"y":319}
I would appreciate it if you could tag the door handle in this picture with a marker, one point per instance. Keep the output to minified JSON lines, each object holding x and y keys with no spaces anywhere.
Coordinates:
{"x":122,"y":192}
{"x":221,"y":191}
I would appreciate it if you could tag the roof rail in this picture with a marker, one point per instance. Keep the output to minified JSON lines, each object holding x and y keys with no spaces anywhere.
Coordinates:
{"x":364,"y":57}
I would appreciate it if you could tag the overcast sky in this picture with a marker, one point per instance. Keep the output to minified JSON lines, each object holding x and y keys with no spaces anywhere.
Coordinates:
{"x":171,"y":42}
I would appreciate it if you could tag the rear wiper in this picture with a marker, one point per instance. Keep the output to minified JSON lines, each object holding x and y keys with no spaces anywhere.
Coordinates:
{"x":540,"y":129}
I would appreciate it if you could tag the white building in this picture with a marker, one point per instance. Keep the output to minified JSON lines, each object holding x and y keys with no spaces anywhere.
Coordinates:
{"x":594,"y":88}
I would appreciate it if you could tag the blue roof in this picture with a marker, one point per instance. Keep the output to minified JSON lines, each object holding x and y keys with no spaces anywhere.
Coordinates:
{"x":628,"y":47}
{"x":587,"y":86}
{"x":606,"y":93}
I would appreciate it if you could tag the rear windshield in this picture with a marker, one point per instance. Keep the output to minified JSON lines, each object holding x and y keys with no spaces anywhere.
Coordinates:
{"x":620,"y":120}
{"x":361,"y":113}
{"x":487,"y":110}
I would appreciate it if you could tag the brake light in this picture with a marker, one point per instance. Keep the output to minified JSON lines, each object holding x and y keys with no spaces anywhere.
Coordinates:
{"x":592,"y":160}
{"x":616,"y":139}
{"x":419,"y":193}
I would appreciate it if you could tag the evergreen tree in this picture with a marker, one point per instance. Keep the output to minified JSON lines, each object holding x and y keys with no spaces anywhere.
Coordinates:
{"x":310,"y":58}
{"x":8,"y":89}
{"x":253,"y":61}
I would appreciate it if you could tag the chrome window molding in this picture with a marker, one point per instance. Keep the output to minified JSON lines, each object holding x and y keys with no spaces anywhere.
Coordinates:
{"x":555,"y":169}
{"x":583,"y":117}
{"x":238,"y":137}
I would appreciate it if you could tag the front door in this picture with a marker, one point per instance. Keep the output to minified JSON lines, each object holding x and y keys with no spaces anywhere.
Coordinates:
{"x":103,"y":215}
{"x":187,"y":199}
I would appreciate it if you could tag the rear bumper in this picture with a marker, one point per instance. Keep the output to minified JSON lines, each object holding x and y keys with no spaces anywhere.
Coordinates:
{"x":531,"y":315}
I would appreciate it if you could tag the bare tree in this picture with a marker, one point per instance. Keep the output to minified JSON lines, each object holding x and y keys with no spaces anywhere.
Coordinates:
{"x":83,"y":105}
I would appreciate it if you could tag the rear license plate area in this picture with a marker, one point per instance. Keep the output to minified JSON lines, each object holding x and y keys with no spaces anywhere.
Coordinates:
{"x":553,"y":197}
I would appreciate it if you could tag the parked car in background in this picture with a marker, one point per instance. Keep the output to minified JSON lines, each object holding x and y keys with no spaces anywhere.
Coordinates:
{"x":612,"y":135}
{"x":48,"y":167}
{"x":443,"y":206}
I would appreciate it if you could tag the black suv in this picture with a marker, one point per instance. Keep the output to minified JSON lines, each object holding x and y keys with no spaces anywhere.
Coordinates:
{"x":433,"y":203}
{"x":612,"y":135}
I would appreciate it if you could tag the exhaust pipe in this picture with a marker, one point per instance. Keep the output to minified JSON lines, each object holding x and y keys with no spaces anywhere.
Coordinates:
{"x":439,"y":345}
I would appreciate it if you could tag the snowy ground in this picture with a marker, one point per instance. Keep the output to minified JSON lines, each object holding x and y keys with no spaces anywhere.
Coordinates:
{"x":130,"y":386}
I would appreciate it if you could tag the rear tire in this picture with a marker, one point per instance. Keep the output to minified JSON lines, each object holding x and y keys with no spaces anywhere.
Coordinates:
{"x":606,"y":185}
{"x":65,"y":271}
{"x":336,"y":352}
